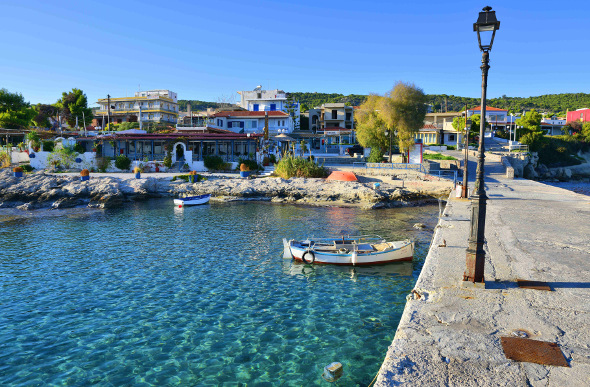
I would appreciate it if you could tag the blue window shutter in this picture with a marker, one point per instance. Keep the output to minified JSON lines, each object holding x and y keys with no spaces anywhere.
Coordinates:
{"x":241,"y":124}
{"x":255,"y":107}
{"x":273,"y":107}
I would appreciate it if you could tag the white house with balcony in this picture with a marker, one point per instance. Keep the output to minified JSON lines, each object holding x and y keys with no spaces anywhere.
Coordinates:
{"x":252,"y":121}
{"x":146,"y":106}
{"x":259,"y":100}
{"x":497,"y":118}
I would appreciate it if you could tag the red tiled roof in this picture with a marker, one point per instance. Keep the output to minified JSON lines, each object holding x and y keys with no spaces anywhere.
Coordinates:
{"x":174,"y":136}
{"x":246,"y":113}
{"x":488,"y":108}
{"x":428,"y":126}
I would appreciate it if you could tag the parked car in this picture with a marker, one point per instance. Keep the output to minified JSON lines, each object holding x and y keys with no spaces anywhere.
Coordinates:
{"x":354,"y":149}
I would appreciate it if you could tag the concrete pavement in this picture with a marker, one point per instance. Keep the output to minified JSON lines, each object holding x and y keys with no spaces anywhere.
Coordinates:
{"x":450,"y":334}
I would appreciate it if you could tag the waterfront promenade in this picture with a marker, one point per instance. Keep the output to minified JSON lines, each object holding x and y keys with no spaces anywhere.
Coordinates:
{"x":450,"y":334}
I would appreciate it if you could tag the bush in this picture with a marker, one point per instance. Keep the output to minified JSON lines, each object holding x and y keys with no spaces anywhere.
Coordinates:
{"x":168,"y":159}
{"x":251,"y":164}
{"x":290,"y":166}
{"x":62,"y":158}
{"x":185,"y":177}
{"x":78,"y":148}
{"x":103,"y":163}
{"x":123,"y":162}
{"x":376,"y":155}
{"x":48,"y":146}
{"x":273,"y":159}
{"x":451,"y":147}
{"x":214,"y":163}
{"x":4,"y":160}
{"x":27,"y":168}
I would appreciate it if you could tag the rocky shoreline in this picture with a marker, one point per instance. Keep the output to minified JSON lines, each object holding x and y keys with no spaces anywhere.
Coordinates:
{"x":46,"y":190}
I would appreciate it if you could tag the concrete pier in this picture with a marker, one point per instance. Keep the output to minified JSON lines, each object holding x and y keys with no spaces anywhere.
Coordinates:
{"x":450,"y":334}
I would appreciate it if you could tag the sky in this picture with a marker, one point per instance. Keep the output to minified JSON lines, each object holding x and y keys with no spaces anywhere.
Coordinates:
{"x":208,"y":50}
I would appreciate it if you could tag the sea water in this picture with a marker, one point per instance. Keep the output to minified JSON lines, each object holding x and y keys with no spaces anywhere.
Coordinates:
{"x":151,"y":294}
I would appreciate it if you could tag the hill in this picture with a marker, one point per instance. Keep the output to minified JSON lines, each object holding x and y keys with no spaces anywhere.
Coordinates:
{"x":553,"y":104}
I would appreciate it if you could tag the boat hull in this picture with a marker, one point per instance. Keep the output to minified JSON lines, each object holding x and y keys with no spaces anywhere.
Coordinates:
{"x":192,"y":201}
{"x":404,"y":251}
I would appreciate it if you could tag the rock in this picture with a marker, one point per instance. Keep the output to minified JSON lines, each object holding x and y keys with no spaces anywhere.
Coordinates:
{"x":529,"y":172}
{"x":419,"y":225}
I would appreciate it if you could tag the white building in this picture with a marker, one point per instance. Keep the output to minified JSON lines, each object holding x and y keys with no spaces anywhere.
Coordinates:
{"x":259,"y":100}
{"x":145,"y":106}
{"x":252,"y":121}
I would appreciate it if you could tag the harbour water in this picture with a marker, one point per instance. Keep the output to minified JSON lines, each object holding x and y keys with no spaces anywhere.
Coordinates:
{"x":151,"y":294}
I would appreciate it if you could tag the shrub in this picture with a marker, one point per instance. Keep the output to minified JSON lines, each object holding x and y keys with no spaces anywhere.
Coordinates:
{"x":185,"y":177}
{"x":123,"y":162}
{"x":17,"y":169}
{"x":78,"y":148}
{"x":168,"y":159}
{"x":290,"y":166}
{"x":85,"y":172}
{"x":214,"y":163}
{"x":273,"y":159}
{"x":4,"y":160}
{"x":27,"y":167}
{"x":62,"y":158}
{"x":265,"y":160}
{"x":103,"y":163}
{"x":48,"y":146}
{"x":251,"y":164}
{"x":376,"y":155}
{"x":451,"y":147}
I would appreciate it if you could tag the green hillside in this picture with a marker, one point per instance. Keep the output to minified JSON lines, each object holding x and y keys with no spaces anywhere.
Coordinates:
{"x":554,"y":104}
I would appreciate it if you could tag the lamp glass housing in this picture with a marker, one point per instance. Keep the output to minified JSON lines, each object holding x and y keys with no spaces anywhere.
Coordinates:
{"x":486,"y":27}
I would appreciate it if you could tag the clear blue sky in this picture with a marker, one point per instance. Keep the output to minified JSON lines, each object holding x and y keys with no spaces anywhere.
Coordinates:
{"x":210,"y":49}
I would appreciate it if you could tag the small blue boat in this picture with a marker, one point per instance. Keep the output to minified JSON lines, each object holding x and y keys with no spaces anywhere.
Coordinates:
{"x":192,"y":200}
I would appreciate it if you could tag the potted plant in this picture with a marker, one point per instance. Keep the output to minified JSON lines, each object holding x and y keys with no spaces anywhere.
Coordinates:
{"x":18,"y":171}
{"x":192,"y":176}
{"x":244,"y":170}
{"x":84,"y":175}
{"x":137,"y":171}
{"x":157,"y":167}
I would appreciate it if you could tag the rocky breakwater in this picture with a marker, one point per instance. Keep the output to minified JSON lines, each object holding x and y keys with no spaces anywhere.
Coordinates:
{"x":45,"y":190}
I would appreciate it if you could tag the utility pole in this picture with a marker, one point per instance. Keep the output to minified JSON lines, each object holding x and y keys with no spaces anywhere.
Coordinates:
{"x":464,"y":188}
{"x":109,"y":111}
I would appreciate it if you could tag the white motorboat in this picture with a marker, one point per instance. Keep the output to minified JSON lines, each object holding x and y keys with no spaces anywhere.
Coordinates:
{"x":349,"y":250}
{"x":192,"y":200}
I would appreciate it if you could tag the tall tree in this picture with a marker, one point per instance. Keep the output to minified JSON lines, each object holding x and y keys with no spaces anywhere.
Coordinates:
{"x":531,"y":121}
{"x":44,"y":112}
{"x":15,"y":112}
{"x":402,"y":109}
{"x":74,"y":104}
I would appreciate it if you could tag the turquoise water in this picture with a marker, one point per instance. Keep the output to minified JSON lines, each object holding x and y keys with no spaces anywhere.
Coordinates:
{"x":155,"y":295}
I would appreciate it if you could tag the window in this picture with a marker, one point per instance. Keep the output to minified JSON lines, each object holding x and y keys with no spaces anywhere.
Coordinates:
{"x":259,"y":95}
{"x":256,"y":107}
{"x":334,"y":114}
{"x":348,"y":116}
{"x":273,"y":107}
{"x":451,"y":137}
{"x":253,"y":124}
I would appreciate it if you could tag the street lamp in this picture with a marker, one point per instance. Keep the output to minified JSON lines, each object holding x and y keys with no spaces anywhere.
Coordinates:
{"x":486,"y":27}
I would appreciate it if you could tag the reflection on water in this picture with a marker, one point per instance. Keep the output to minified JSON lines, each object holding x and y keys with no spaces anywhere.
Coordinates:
{"x":155,"y":295}
{"x":296,"y":268}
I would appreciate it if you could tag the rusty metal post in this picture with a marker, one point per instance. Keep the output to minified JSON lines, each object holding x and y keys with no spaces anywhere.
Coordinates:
{"x":475,"y":252}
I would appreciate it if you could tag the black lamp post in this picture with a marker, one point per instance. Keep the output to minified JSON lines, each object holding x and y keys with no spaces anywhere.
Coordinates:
{"x":486,"y":28}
